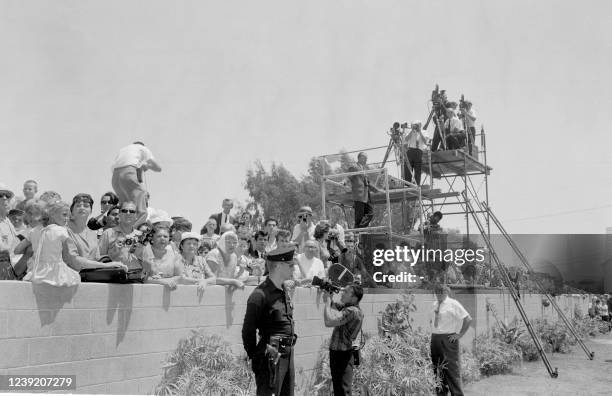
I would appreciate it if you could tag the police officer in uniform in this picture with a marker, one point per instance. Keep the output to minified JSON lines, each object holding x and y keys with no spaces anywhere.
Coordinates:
{"x":270,"y":313}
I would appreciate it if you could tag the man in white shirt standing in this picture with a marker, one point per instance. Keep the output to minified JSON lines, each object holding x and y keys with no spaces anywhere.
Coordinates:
{"x":415,"y":142}
{"x":308,"y":266}
{"x":450,"y":321}
{"x":469,"y":117}
{"x":131,"y":162}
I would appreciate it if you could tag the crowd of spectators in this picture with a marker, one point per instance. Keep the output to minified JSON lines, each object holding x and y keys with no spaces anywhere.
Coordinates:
{"x":46,"y":240}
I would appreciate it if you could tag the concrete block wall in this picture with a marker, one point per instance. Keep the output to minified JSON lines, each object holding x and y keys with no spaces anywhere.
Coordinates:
{"x":114,"y":338}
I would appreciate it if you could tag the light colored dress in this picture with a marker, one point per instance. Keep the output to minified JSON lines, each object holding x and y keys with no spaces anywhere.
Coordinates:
{"x":48,"y":265}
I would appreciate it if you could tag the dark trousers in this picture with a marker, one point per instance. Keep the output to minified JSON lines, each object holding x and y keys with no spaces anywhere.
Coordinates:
{"x":285,"y":375}
{"x":341,"y":366}
{"x":455,"y":141}
{"x":445,"y":358}
{"x":437,"y":140}
{"x":364,"y":212}
{"x":471,"y":137}
{"x":414,"y":158}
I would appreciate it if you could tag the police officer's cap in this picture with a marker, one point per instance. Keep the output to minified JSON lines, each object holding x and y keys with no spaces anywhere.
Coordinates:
{"x":284,"y":254}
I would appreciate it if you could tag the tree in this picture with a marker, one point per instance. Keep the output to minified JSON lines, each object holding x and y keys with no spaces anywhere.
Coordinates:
{"x":278,"y":192}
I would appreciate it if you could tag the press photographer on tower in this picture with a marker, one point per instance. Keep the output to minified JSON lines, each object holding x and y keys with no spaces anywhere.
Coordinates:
{"x":346,"y":318}
{"x":469,"y":118}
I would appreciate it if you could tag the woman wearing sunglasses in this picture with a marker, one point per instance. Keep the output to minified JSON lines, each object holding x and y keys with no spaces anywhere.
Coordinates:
{"x":122,"y":243}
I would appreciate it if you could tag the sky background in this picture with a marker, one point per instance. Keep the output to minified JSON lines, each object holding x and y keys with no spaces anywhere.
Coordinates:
{"x":212,"y":86}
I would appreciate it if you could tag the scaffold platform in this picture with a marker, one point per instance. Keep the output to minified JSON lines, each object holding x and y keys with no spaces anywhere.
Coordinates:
{"x":452,"y":163}
{"x":395,"y":196}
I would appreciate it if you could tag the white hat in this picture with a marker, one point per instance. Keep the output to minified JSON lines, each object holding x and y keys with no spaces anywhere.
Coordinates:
{"x":190,"y":235}
{"x":159,"y":216}
{"x":4,"y":187}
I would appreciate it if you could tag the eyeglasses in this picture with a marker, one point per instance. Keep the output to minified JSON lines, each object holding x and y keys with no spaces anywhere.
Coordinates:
{"x":128,"y":211}
{"x":5,"y":195}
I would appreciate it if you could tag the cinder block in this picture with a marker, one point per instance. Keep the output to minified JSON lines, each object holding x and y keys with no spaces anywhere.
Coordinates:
{"x":145,"y":365}
{"x":93,"y":389}
{"x":107,"y":320}
{"x":208,"y":316}
{"x":156,"y":318}
{"x":28,"y":323}
{"x":88,"y":346}
{"x":49,"y":350}
{"x":129,"y":387}
{"x":14,"y":353}
{"x":17,"y":295}
{"x":153,"y":296}
{"x":91,"y":295}
{"x":72,"y":321}
{"x":311,"y":328}
{"x":104,"y":371}
{"x":215,"y":295}
{"x":47,"y":297}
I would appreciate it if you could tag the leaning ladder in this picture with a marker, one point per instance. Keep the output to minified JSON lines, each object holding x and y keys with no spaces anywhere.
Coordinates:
{"x":590,"y":354}
{"x":517,"y":301}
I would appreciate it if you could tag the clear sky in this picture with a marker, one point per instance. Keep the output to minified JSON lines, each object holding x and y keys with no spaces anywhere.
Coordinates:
{"x":212,"y":86}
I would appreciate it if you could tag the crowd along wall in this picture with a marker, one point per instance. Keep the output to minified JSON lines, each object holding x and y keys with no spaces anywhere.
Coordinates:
{"x":114,"y":338}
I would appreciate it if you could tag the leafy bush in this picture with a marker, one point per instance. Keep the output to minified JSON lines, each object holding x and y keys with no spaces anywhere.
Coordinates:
{"x":555,"y":337}
{"x":204,"y":364}
{"x":470,"y":368}
{"x":590,"y":327}
{"x":494,"y":355}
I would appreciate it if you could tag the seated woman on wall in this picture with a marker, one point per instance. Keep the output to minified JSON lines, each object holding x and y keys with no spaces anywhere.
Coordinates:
{"x":223,"y":261}
{"x":122,"y":243}
{"x":160,"y":262}
{"x":49,"y":243}
{"x":194,"y":268}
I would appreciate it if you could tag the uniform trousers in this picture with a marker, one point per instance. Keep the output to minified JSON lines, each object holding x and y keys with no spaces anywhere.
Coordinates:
{"x":285,"y":374}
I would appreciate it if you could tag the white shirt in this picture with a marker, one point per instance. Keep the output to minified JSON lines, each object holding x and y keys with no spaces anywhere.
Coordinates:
{"x":297,"y":234}
{"x":134,"y":154}
{"x":450,"y":316}
{"x":225,"y":218}
{"x":312,"y":267}
{"x":414,"y":140}
{"x":455,"y":125}
{"x":468,"y":121}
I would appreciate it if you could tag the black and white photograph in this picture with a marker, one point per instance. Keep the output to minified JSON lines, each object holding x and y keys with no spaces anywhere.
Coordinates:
{"x":305,"y":198}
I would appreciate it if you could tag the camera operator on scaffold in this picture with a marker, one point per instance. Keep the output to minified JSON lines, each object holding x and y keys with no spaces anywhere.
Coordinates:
{"x":469,"y":119}
{"x":414,"y":143}
{"x":345,"y":316}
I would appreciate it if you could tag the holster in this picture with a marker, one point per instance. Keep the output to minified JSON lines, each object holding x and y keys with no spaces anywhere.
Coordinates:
{"x":283,"y":345}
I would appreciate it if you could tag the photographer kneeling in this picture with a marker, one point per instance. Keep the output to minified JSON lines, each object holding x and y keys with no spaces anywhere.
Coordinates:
{"x":346,"y":318}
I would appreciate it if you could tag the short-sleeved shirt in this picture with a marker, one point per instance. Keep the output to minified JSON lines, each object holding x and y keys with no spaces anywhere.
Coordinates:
{"x":198,"y":269}
{"x":450,"y":316}
{"x":453,"y":125}
{"x":86,"y":242}
{"x":135,"y":155}
{"x":269,"y":311}
{"x":220,"y":268}
{"x":344,"y":335}
{"x":8,"y":238}
{"x":313,"y":267}
{"x":124,"y":254}
{"x":165,"y":266}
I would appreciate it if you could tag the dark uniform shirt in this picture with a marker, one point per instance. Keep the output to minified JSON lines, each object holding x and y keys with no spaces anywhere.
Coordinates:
{"x":270,"y":311}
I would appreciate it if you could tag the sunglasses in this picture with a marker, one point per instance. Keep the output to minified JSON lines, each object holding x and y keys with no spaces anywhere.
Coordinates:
{"x":5,"y":195}
{"x":128,"y":211}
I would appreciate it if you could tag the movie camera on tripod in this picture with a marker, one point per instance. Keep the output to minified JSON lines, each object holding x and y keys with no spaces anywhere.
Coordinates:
{"x":439,"y":100}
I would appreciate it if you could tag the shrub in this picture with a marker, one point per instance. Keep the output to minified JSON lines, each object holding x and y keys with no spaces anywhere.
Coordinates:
{"x":555,"y":337}
{"x":204,"y":364}
{"x":470,"y":369}
{"x":494,"y":355}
